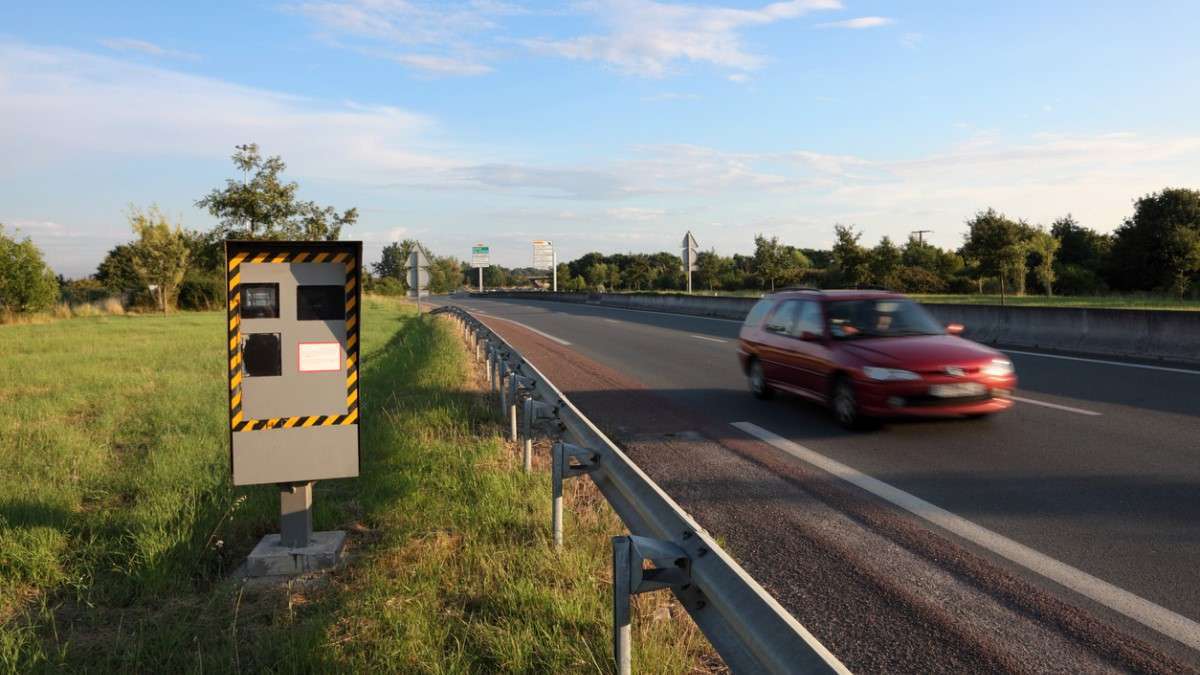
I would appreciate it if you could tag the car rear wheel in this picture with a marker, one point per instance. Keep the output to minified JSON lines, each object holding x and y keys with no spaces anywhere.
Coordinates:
{"x":758,"y":381}
{"x":845,"y":406}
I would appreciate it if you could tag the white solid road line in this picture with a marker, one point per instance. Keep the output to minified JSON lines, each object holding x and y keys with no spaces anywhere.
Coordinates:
{"x":1135,"y":607}
{"x":532,"y":329}
{"x":1143,"y":366}
{"x":710,"y":339}
{"x":1056,"y":406}
{"x":613,"y":321}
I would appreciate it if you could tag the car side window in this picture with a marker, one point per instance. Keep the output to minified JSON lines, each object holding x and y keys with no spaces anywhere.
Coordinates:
{"x":808,"y":320}
{"x":757,"y":313}
{"x":783,"y":318}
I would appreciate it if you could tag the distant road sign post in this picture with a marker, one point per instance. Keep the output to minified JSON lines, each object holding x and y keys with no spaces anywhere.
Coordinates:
{"x":293,"y":330}
{"x":545,"y":257}
{"x":417,"y":269}
{"x":480,"y":259}
{"x":689,"y":257}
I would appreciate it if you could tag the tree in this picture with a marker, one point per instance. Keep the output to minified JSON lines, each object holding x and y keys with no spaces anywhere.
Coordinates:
{"x":1080,"y":245}
{"x":394,"y":261}
{"x":1156,"y":247}
{"x":117,"y":271}
{"x":884,"y":259}
{"x":597,"y":275}
{"x":264,"y":207}
{"x":769,"y":259}
{"x":26,"y":283}
{"x":850,"y":259}
{"x":709,"y":267}
{"x":445,"y":275}
{"x":639,"y":273}
{"x":1043,"y":245}
{"x":160,"y":254}
{"x":997,"y":247}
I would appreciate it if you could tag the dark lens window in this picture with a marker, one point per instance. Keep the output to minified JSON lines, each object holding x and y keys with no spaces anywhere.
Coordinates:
{"x":320,"y":303}
{"x":261,"y":355}
{"x":260,"y":301}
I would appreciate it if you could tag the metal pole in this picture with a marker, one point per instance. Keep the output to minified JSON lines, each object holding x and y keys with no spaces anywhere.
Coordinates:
{"x":295,"y":514}
{"x":513,"y":415}
{"x":501,"y":372}
{"x":480,"y":279}
{"x":512,"y":404}
{"x":556,"y":470}
{"x":622,"y":635}
{"x":554,"y":266}
{"x":528,"y":453}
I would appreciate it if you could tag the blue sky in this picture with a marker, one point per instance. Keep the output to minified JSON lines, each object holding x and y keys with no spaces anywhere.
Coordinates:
{"x":610,"y":125}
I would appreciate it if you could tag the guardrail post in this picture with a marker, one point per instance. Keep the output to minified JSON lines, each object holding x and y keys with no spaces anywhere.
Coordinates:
{"x":534,"y":411}
{"x":671,"y":567}
{"x":527,"y":451}
{"x":556,"y":490}
{"x":562,"y":468}
{"x":622,"y":633}
{"x":501,"y":375}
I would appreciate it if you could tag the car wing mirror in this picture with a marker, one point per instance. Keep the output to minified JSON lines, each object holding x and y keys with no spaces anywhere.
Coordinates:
{"x":955,"y":328}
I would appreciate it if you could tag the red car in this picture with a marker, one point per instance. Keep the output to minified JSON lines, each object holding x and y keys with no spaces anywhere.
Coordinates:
{"x":870,"y":355}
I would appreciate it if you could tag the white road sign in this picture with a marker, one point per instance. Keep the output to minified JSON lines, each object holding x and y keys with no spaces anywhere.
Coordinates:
{"x":543,"y":255}
{"x":480,"y":256}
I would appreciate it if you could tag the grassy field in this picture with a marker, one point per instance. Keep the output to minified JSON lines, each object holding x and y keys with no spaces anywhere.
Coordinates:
{"x":119,"y":528}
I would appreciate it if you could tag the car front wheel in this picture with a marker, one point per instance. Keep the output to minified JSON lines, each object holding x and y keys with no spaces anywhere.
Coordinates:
{"x":758,"y":381}
{"x":845,"y":406}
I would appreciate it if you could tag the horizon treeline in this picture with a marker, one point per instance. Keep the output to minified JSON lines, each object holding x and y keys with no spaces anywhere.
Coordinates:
{"x":1156,"y":249}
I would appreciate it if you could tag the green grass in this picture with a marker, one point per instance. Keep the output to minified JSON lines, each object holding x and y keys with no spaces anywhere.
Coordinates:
{"x":119,"y":528}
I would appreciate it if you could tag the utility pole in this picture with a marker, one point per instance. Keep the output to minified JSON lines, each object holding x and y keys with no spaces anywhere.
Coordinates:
{"x":921,"y":235}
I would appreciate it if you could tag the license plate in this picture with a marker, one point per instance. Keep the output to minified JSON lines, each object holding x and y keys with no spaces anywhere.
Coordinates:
{"x":957,"y":390}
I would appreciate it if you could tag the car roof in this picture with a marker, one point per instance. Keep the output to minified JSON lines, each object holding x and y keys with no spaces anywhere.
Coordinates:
{"x":835,"y":294}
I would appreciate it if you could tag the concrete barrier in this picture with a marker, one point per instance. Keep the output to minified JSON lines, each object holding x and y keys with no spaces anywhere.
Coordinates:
{"x":1153,"y":334}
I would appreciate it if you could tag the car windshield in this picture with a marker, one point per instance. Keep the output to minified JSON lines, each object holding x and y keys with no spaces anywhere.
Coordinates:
{"x":849,"y":319}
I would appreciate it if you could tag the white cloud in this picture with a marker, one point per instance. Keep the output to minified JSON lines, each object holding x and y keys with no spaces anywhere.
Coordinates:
{"x":441,"y":65}
{"x":911,"y":40}
{"x":442,"y":30}
{"x":740,"y":78}
{"x":648,"y":38}
{"x":140,"y":110}
{"x":147,"y":48}
{"x":636,"y":214}
{"x":859,"y":23}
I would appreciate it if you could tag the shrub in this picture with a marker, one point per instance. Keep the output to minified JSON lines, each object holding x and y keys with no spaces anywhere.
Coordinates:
{"x":389,"y":286}
{"x":915,"y":280}
{"x":1079,"y":280}
{"x":26,"y":284}
{"x":201,"y":291}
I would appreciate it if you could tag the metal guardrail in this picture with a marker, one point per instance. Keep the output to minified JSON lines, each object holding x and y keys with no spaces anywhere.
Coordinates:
{"x":747,"y":627}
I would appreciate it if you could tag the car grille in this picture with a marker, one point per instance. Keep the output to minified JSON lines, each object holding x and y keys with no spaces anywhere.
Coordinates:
{"x":927,"y":401}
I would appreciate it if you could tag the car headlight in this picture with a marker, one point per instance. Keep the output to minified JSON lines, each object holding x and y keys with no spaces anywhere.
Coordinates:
{"x":998,"y":368}
{"x":889,"y":374}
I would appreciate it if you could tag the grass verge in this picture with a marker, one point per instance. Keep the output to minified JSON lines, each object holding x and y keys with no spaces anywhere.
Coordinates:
{"x":119,"y":529}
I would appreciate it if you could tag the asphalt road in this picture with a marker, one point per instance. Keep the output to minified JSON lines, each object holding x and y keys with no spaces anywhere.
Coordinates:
{"x":1097,"y":467}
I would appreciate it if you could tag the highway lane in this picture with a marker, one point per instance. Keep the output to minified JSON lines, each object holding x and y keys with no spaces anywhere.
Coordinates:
{"x":1115,"y":493}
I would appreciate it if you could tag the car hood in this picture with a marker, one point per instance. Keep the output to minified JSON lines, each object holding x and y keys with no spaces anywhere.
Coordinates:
{"x":919,"y":352}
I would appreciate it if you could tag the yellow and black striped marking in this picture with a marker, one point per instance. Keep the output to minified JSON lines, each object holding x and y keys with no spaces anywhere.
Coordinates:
{"x":237,"y":423}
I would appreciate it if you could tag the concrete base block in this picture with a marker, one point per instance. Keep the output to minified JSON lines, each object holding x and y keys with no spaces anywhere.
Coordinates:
{"x":270,"y":558}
